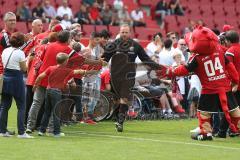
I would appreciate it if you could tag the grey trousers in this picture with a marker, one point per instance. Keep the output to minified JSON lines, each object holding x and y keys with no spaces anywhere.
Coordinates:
{"x":38,"y":99}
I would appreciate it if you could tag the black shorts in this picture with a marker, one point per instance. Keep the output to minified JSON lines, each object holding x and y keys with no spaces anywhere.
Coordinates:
{"x":211,"y":103}
{"x":122,"y":88}
{"x":237,"y":96}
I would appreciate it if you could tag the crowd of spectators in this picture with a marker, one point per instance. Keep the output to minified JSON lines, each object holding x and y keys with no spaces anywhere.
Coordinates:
{"x":172,"y":8}
{"x":175,"y":96}
{"x":90,"y":12}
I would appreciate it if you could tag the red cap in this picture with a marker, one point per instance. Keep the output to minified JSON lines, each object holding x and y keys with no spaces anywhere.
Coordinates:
{"x":227,"y":28}
{"x":58,"y":28}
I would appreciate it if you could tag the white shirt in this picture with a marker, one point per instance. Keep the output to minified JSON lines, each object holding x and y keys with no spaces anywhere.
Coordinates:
{"x":95,"y":54}
{"x":66,"y":24}
{"x":165,"y":57}
{"x":17,"y":56}
{"x":137,"y":16}
{"x":151,"y":48}
{"x":180,"y":81}
{"x":62,"y":10}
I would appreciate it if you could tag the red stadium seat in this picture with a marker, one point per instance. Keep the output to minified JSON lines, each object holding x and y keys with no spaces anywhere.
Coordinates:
{"x":171,"y":24}
{"x":147,"y":34}
{"x":230,"y":11}
{"x":208,"y":22}
{"x":228,"y":3}
{"x":217,"y":3}
{"x":219,"y":22}
{"x":182,"y":20}
{"x":22,"y":27}
{"x":151,"y":23}
{"x":87,"y":30}
{"x":99,"y":28}
{"x":114,"y":30}
{"x":206,"y":10}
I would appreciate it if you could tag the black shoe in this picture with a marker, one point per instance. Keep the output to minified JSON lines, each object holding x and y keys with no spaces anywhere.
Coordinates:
{"x":201,"y":137}
{"x":119,"y":127}
{"x":220,"y":135}
{"x":232,"y":134}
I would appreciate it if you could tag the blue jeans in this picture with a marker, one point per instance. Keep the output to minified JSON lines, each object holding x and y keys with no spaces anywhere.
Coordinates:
{"x":13,"y":87}
{"x":52,"y":97}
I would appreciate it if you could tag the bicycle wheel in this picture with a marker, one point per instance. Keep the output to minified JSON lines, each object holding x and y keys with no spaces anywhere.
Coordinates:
{"x":136,"y":105}
{"x":101,"y":110}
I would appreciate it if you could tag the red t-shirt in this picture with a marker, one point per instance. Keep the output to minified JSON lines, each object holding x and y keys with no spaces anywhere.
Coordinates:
{"x":35,"y":41}
{"x":105,"y":79}
{"x":58,"y":76}
{"x":31,"y":70}
{"x":233,"y":55}
{"x":94,"y":13}
{"x":49,"y":58}
{"x":211,"y":72}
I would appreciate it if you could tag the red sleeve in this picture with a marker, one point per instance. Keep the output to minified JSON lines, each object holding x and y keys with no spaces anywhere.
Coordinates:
{"x":180,"y":71}
{"x":232,"y":72}
{"x":76,"y":61}
{"x":107,"y":78}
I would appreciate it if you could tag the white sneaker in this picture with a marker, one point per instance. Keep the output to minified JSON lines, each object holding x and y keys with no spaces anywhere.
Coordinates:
{"x":59,"y":135}
{"x":5,"y":135}
{"x":41,"y":133}
{"x":29,"y":131}
{"x":25,"y":135}
{"x":196,"y":130}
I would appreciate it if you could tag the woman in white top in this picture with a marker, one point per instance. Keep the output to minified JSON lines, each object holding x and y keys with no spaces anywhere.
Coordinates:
{"x":153,"y":48}
{"x":13,"y":86}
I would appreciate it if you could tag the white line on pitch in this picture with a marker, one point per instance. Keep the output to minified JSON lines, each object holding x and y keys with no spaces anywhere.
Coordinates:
{"x":147,"y":139}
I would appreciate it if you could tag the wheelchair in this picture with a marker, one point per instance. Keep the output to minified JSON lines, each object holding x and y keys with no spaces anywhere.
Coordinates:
{"x":141,"y":102}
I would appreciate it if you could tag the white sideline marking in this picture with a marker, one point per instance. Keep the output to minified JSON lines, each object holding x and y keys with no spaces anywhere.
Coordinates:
{"x":147,"y":139}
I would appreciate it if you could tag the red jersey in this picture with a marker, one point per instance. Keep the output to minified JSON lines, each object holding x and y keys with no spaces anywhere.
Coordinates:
{"x":4,"y":43}
{"x":75,"y":61}
{"x":233,"y":55}
{"x":58,"y":76}
{"x":31,"y":70}
{"x":49,"y":58}
{"x":35,"y":41}
{"x":211,"y":72}
{"x":105,"y":79}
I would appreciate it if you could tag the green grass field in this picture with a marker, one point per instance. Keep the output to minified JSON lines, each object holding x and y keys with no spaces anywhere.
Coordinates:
{"x":141,"y":140}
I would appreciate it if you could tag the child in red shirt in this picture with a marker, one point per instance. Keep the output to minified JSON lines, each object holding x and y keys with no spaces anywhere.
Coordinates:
{"x":53,"y":93}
